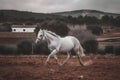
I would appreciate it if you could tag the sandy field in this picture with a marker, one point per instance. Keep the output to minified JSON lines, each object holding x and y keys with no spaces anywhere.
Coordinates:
{"x":31,"y":67}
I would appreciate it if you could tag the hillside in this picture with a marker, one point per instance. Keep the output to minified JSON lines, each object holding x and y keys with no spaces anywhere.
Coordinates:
{"x":11,"y":15}
{"x":86,"y":12}
{"x":15,"y":15}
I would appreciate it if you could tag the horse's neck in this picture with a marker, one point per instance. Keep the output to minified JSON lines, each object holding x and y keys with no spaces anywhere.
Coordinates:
{"x":50,"y":38}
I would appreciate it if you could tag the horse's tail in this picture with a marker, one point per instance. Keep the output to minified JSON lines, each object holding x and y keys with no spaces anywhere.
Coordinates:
{"x":81,"y":51}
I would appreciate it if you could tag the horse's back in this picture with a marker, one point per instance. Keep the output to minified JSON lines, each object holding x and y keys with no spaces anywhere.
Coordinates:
{"x":66,"y":43}
{"x":75,"y":42}
{"x":70,"y":41}
{"x":74,"y":39}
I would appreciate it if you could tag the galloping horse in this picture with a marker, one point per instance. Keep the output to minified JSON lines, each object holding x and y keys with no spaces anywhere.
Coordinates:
{"x":58,"y":44}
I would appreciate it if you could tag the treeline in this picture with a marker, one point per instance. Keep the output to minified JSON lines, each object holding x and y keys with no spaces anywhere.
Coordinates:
{"x":17,"y":17}
{"x":104,"y":20}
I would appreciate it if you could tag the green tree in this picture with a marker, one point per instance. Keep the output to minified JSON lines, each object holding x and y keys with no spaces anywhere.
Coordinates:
{"x":91,"y":20}
{"x":97,"y":30}
{"x":56,"y":26}
{"x":5,"y":27}
{"x":117,"y":21}
{"x":105,"y":20}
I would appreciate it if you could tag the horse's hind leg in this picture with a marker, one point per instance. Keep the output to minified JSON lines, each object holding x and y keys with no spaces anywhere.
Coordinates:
{"x":79,"y":57}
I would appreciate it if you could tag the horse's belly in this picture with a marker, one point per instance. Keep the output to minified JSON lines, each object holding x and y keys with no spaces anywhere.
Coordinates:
{"x":65,"y":49}
{"x":66,"y":46}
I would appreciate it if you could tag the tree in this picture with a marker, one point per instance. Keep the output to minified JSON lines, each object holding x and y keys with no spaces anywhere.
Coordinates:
{"x":5,"y":27}
{"x":80,"y":19}
{"x":91,"y":20}
{"x":56,"y":26}
{"x":117,"y":21}
{"x":105,"y":20}
{"x":2,"y":17}
{"x":95,"y":29}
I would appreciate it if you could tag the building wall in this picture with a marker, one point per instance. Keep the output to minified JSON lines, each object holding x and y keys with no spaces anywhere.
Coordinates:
{"x":12,"y":38}
{"x":23,"y":29}
{"x":77,"y":27}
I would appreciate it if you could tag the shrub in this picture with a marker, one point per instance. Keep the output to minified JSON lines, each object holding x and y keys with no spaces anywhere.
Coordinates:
{"x":24,"y":46}
{"x":2,"y":49}
{"x":97,"y":30}
{"x":109,"y":49}
{"x":117,"y":50}
{"x":41,"y":48}
{"x":101,"y":51}
{"x":90,"y":46}
{"x":86,"y":38}
{"x":82,"y":35}
{"x":7,"y":50}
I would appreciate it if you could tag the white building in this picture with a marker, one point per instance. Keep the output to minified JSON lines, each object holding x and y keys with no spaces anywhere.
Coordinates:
{"x":23,"y":28}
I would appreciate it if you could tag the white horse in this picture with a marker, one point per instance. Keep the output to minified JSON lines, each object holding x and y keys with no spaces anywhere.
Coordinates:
{"x":58,"y":44}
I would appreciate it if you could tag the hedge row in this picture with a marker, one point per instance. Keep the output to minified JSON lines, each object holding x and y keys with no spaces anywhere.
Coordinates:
{"x":26,"y":46}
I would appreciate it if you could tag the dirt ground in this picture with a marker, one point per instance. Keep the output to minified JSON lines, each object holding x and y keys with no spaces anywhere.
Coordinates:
{"x":32,"y":68}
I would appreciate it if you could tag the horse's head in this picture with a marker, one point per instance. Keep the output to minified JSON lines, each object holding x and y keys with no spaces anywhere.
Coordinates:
{"x":40,"y":36}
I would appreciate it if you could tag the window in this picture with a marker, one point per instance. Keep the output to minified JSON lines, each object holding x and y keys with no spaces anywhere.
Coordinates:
{"x":14,"y":30}
{"x":23,"y":30}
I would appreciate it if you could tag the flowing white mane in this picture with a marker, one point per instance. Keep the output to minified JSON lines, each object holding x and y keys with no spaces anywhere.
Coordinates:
{"x":52,"y":33}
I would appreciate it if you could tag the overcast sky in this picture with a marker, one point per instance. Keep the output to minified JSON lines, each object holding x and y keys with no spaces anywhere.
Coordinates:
{"x":48,"y":6}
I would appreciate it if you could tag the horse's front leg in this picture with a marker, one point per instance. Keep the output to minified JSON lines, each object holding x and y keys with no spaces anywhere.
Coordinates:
{"x":53,"y":53}
{"x":56,"y":58}
{"x":68,"y":57}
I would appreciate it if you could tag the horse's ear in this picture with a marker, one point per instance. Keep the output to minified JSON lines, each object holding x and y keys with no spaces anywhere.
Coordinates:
{"x":40,"y":29}
{"x":44,"y":29}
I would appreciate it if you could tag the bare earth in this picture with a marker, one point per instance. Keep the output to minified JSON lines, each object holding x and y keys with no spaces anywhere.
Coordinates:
{"x":31,"y":67}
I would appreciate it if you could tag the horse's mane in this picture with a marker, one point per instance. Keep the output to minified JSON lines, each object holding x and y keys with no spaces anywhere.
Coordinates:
{"x":52,"y":33}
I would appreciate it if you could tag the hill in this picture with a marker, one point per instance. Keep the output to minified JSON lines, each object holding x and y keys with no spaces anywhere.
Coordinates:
{"x":15,"y":15}
{"x":86,"y":12}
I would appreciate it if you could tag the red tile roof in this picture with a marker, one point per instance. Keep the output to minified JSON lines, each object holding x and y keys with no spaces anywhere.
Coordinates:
{"x":24,"y":26}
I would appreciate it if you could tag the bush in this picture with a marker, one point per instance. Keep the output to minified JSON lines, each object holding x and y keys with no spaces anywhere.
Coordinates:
{"x":97,"y":30}
{"x":41,"y":48}
{"x":101,"y":51}
{"x":24,"y":46}
{"x":90,"y":46}
{"x":82,"y":35}
{"x":7,"y":50}
{"x":117,"y":50}
{"x":109,"y":49}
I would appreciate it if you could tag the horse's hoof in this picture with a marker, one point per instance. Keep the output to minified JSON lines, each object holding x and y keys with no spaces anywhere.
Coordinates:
{"x":83,"y":65}
{"x":60,"y":65}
